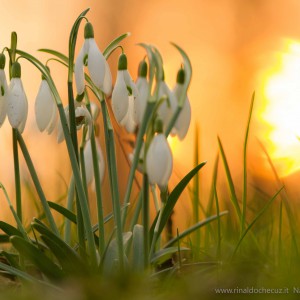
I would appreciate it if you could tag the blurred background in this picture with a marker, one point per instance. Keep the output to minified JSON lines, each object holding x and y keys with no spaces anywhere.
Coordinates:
{"x":235,"y":46}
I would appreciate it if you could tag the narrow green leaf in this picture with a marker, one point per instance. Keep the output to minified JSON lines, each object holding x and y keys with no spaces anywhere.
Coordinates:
{"x":11,"y":258}
{"x":194,"y":227}
{"x":138,"y":248}
{"x":9,"y":229}
{"x":255,"y":220}
{"x":233,"y":196}
{"x":63,"y":211}
{"x":69,"y":262}
{"x":4,"y":238}
{"x":244,"y":196}
{"x":174,"y":196}
{"x":113,"y":44}
{"x":60,"y":55}
{"x":164,"y":254}
{"x":37,"y":257}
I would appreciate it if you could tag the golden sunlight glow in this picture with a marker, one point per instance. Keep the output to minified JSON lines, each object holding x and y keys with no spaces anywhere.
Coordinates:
{"x":282,"y":109}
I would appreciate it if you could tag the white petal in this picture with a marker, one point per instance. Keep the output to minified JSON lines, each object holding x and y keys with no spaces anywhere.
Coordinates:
{"x":120,"y":98}
{"x":3,"y":97}
{"x":141,"y":101}
{"x":129,"y":121}
{"x":17,"y":106}
{"x":44,"y":106}
{"x":159,"y":161}
{"x":166,"y":110}
{"x":129,"y":82}
{"x":95,"y":110}
{"x":96,"y":63}
{"x":52,"y":123}
{"x":3,"y":109}
{"x":107,"y":83}
{"x":78,"y":70}
{"x":183,"y":122}
{"x":88,"y":162}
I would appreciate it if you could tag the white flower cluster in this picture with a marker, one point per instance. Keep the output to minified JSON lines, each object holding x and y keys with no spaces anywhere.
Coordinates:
{"x":129,"y":102}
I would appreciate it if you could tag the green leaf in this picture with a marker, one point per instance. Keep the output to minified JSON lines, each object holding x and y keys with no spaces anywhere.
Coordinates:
{"x":63,"y":211}
{"x":111,"y":259}
{"x":138,"y":248}
{"x":174,"y":196}
{"x":38,"y":258}
{"x":69,"y":262}
{"x":112,"y":46}
{"x":9,"y":230}
{"x":233,"y":196}
{"x":11,"y":258}
{"x":194,"y":227}
{"x":4,"y":238}
{"x":164,"y":254}
{"x":255,"y":220}
{"x":60,"y":55}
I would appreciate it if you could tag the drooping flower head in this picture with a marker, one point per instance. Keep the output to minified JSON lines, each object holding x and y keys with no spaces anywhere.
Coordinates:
{"x":168,"y":107}
{"x":123,"y":96}
{"x":3,"y":90}
{"x":91,"y":56}
{"x":82,"y":118}
{"x":143,"y":89}
{"x":159,"y":159}
{"x":184,"y":119}
{"x":17,"y":104}
{"x":45,"y":108}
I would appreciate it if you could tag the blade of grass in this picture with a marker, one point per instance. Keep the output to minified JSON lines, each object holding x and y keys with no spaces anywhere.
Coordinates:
{"x":193,"y":228}
{"x":263,"y":210}
{"x":244,"y":196}
{"x":233,"y":196}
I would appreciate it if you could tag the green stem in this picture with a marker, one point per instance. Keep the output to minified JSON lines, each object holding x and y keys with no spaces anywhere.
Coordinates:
{"x":83,"y":174}
{"x":113,"y":174}
{"x":37,"y":183}
{"x":98,"y":196}
{"x":145,"y":215}
{"x":139,"y":142}
{"x":70,"y":200}
{"x":17,"y":175}
{"x":79,"y":187}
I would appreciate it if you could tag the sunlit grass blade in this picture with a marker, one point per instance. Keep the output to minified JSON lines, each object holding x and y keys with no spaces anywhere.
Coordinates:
{"x":263,"y":210}
{"x":233,"y":196}
{"x":193,"y":228}
{"x":58,"y":54}
{"x":211,"y":198}
{"x":285,"y":199}
{"x":244,"y":196}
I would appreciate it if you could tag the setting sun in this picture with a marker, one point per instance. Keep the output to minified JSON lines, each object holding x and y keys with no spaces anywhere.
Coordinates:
{"x":282,"y":108}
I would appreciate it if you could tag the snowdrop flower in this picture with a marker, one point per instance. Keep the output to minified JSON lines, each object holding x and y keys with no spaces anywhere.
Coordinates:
{"x":159,"y":160}
{"x":143,"y":89}
{"x":183,"y":122}
{"x":83,"y":117}
{"x":17,"y":105}
{"x":3,"y":90}
{"x":98,"y":67}
{"x":88,"y":161}
{"x":123,"y":96}
{"x":168,"y":107}
{"x":45,"y":108}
